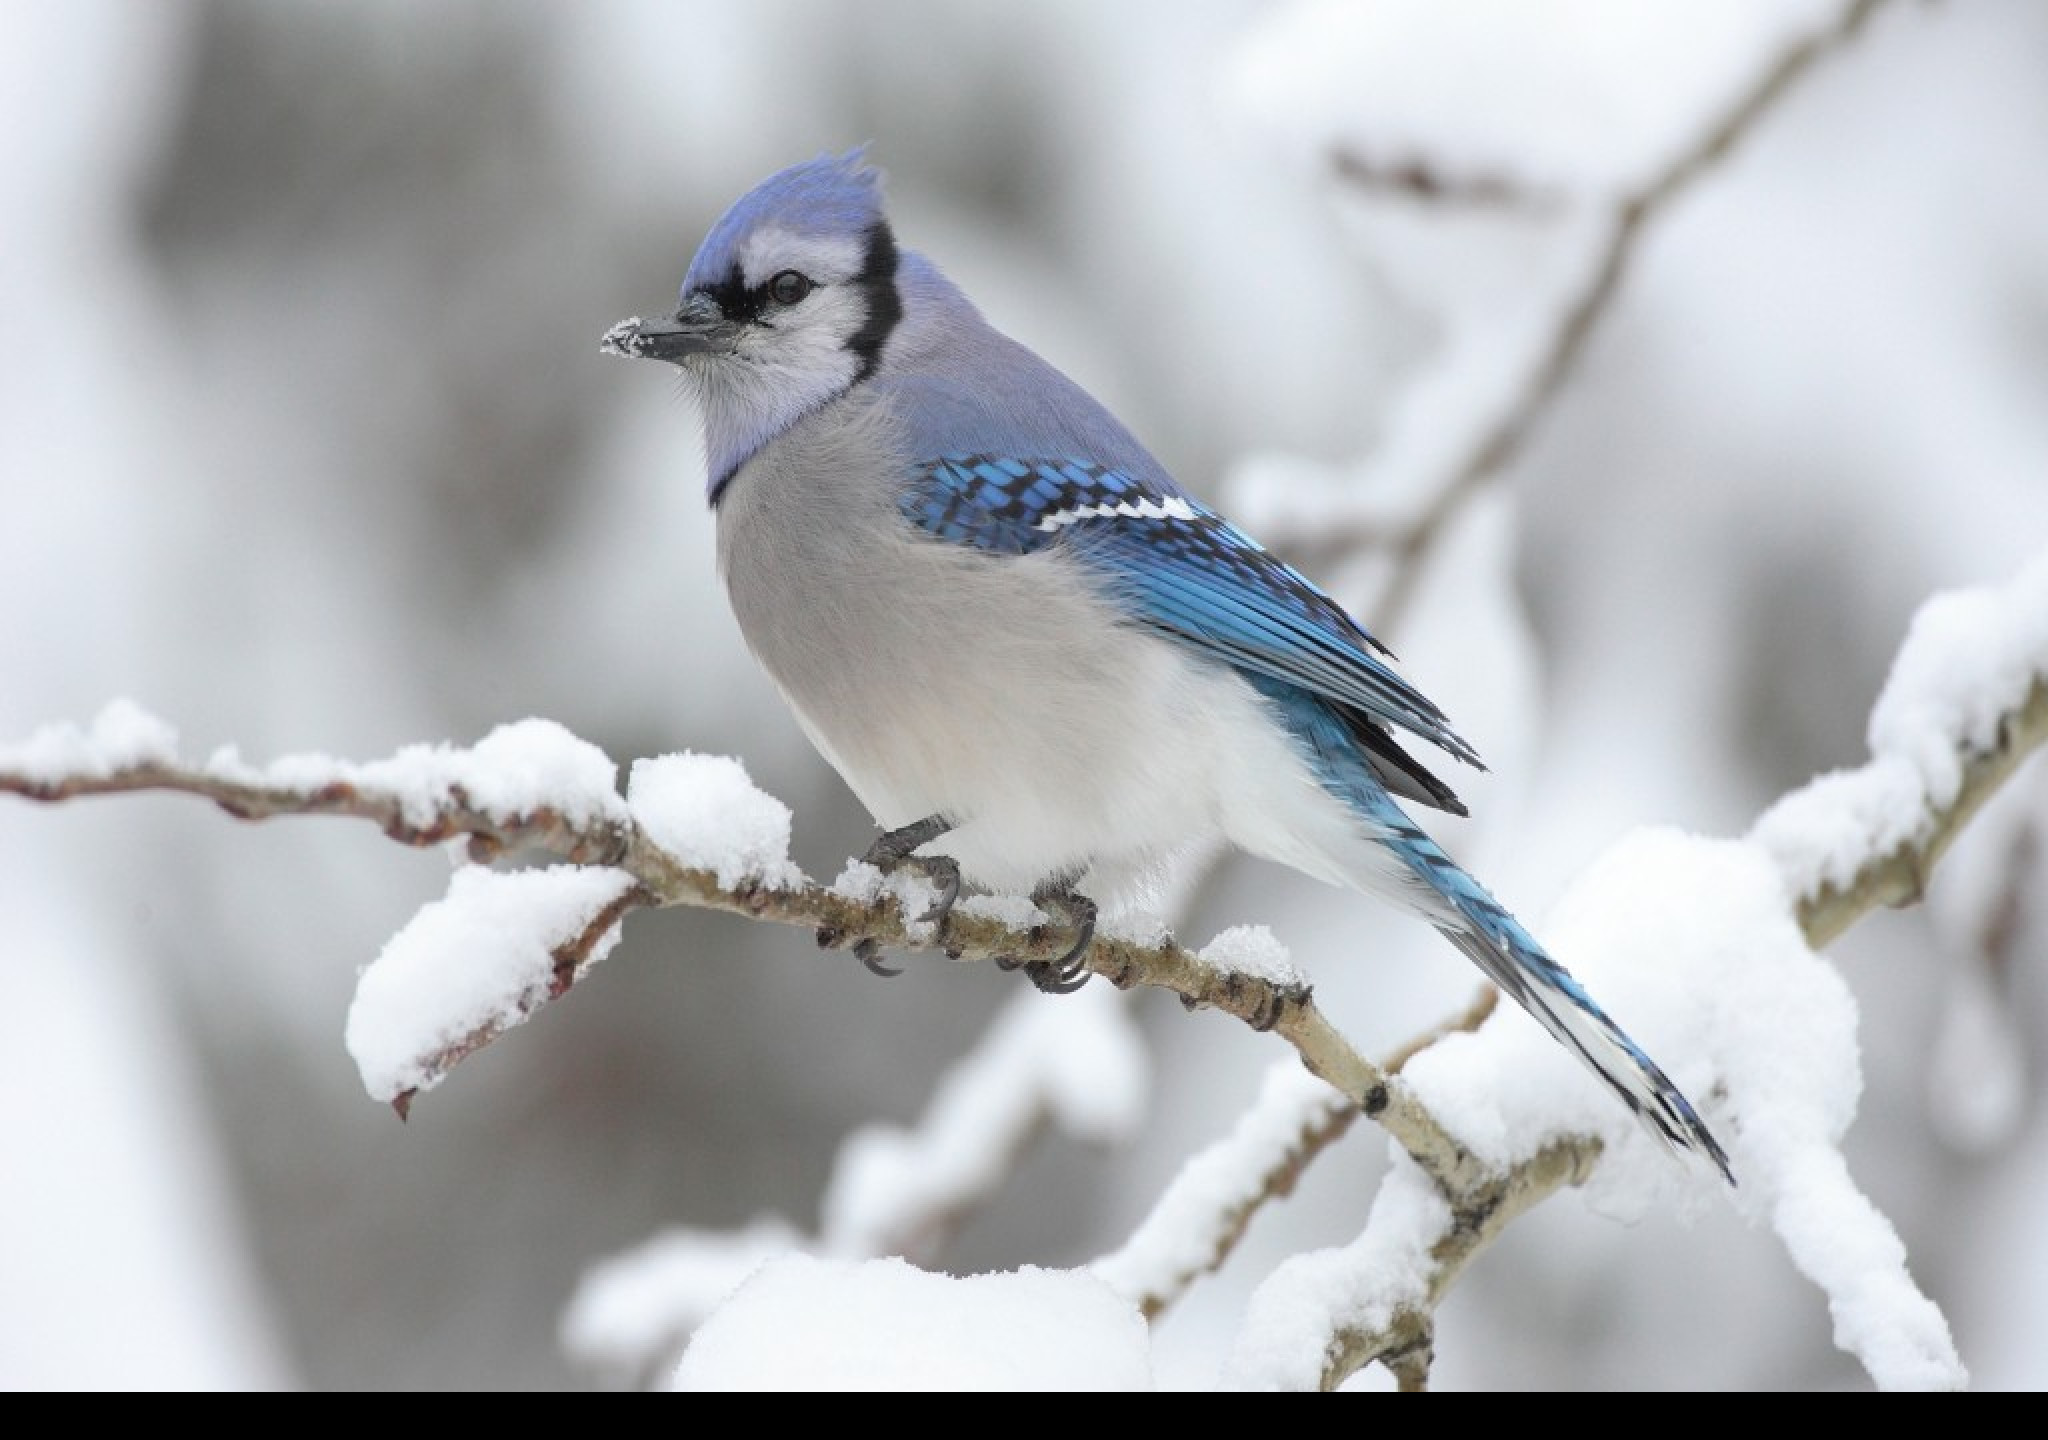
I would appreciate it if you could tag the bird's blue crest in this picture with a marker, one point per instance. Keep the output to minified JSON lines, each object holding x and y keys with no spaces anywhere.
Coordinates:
{"x":831,"y":195}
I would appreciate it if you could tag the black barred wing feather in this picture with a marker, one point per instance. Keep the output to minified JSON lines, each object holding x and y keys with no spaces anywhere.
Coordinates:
{"x":1186,"y":570}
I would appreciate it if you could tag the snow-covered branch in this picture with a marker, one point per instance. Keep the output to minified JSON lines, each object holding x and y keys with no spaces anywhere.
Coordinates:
{"x":1482,"y":1140}
{"x":1195,"y":1225}
{"x":1966,"y":704}
{"x":691,"y":831}
{"x":1896,"y":874}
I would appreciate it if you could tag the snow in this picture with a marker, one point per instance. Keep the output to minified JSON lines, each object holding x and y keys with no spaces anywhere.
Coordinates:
{"x":1014,"y":912}
{"x":514,"y":771}
{"x":1073,"y":1064}
{"x":1253,"y":952}
{"x":1778,"y":1028}
{"x":1361,"y":1286}
{"x":1178,"y":1238}
{"x":1137,"y":925}
{"x":641,"y":1305}
{"x":1814,"y":400}
{"x":1074,"y":1061}
{"x":123,"y":735}
{"x":1837,"y":1238}
{"x":1759,"y":1030}
{"x":1688,"y":944}
{"x":706,"y":811}
{"x":860,"y":882}
{"x":806,"y":1324}
{"x":478,"y":960}
{"x":914,"y":894}
{"x":1969,"y":656}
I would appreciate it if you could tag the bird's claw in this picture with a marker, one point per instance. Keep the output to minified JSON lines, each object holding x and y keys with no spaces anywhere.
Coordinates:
{"x":944,"y":872}
{"x":892,"y":852}
{"x":869,"y":953}
{"x":1070,"y":972}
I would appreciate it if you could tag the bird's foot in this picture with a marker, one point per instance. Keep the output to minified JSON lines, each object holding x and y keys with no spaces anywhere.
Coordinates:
{"x":892,"y":852}
{"x":1070,"y":972}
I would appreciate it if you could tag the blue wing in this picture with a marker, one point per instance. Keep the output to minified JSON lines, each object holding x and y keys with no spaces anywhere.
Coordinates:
{"x":1187,"y":571}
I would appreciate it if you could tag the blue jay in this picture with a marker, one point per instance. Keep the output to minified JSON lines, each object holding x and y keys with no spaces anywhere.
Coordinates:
{"x":1002,"y":622}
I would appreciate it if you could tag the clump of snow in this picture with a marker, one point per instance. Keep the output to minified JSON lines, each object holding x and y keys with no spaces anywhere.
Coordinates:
{"x":1178,"y":1239}
{"x":913,"y":892}
{"x":1076,"y":1062}
{"x":122,"y":735}
{"x":538,"y":764}
{"x":1969,"y":657}
{"x":860,"y":882}
{"x":645,"y":1302}
{"x":807,"y":1324}
{"x":1015,"y":912}
{"x":1362,"y":1286}
{"x":1253,"y":952}
{"x":1137,"y":926}
{"x":517,"y":769}
{"x":706,"y":811}
{"x":1689,"y":946}
{"x":477,"y":960}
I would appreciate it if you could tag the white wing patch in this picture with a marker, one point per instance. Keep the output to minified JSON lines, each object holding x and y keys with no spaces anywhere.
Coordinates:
{"x":1171,"y":508}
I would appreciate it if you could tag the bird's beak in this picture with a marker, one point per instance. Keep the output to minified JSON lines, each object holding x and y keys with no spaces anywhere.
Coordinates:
{"x":699,"y":328}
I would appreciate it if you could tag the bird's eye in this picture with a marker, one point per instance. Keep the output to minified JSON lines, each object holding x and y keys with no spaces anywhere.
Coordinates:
{"x":788,"y":287}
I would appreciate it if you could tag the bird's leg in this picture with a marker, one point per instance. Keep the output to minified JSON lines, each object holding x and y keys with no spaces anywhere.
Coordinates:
{"x":1070,"y":972}
{"x":891,"y":852}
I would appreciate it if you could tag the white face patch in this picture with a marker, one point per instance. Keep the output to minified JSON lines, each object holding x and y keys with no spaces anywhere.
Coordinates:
{"x":828,"y":260}
{"x":810,"y":337}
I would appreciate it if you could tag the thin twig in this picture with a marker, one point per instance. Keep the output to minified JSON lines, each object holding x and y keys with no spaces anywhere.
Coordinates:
{"x":1410,"y":545}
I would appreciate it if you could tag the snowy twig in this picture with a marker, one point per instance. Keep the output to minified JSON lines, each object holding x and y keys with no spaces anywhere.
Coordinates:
{"x":591,"y":933}
{"x":1409,"y":544}
{"x":1898,"y":876}
{"x":1404,"y":1341}
{"x":1198,"y":1221}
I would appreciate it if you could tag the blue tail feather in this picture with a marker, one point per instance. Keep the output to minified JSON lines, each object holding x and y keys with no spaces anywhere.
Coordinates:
{"x":1491,"y":937}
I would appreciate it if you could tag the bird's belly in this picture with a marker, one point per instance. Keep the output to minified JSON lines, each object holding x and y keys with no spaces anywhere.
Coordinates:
{"x":1056,"y":739}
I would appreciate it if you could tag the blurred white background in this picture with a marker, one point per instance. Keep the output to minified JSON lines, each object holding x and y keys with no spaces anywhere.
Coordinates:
{"x":305,"y":444}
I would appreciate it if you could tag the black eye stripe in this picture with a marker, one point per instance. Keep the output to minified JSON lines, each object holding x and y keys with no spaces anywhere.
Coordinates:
{"x":739,"y":301}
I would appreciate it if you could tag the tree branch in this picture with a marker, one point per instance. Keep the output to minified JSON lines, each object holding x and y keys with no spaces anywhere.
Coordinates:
{"x":1499,"y":441}
{"x":586,"y":830}
{"x":1898,"y":876}
{"x":1888,"y":874}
